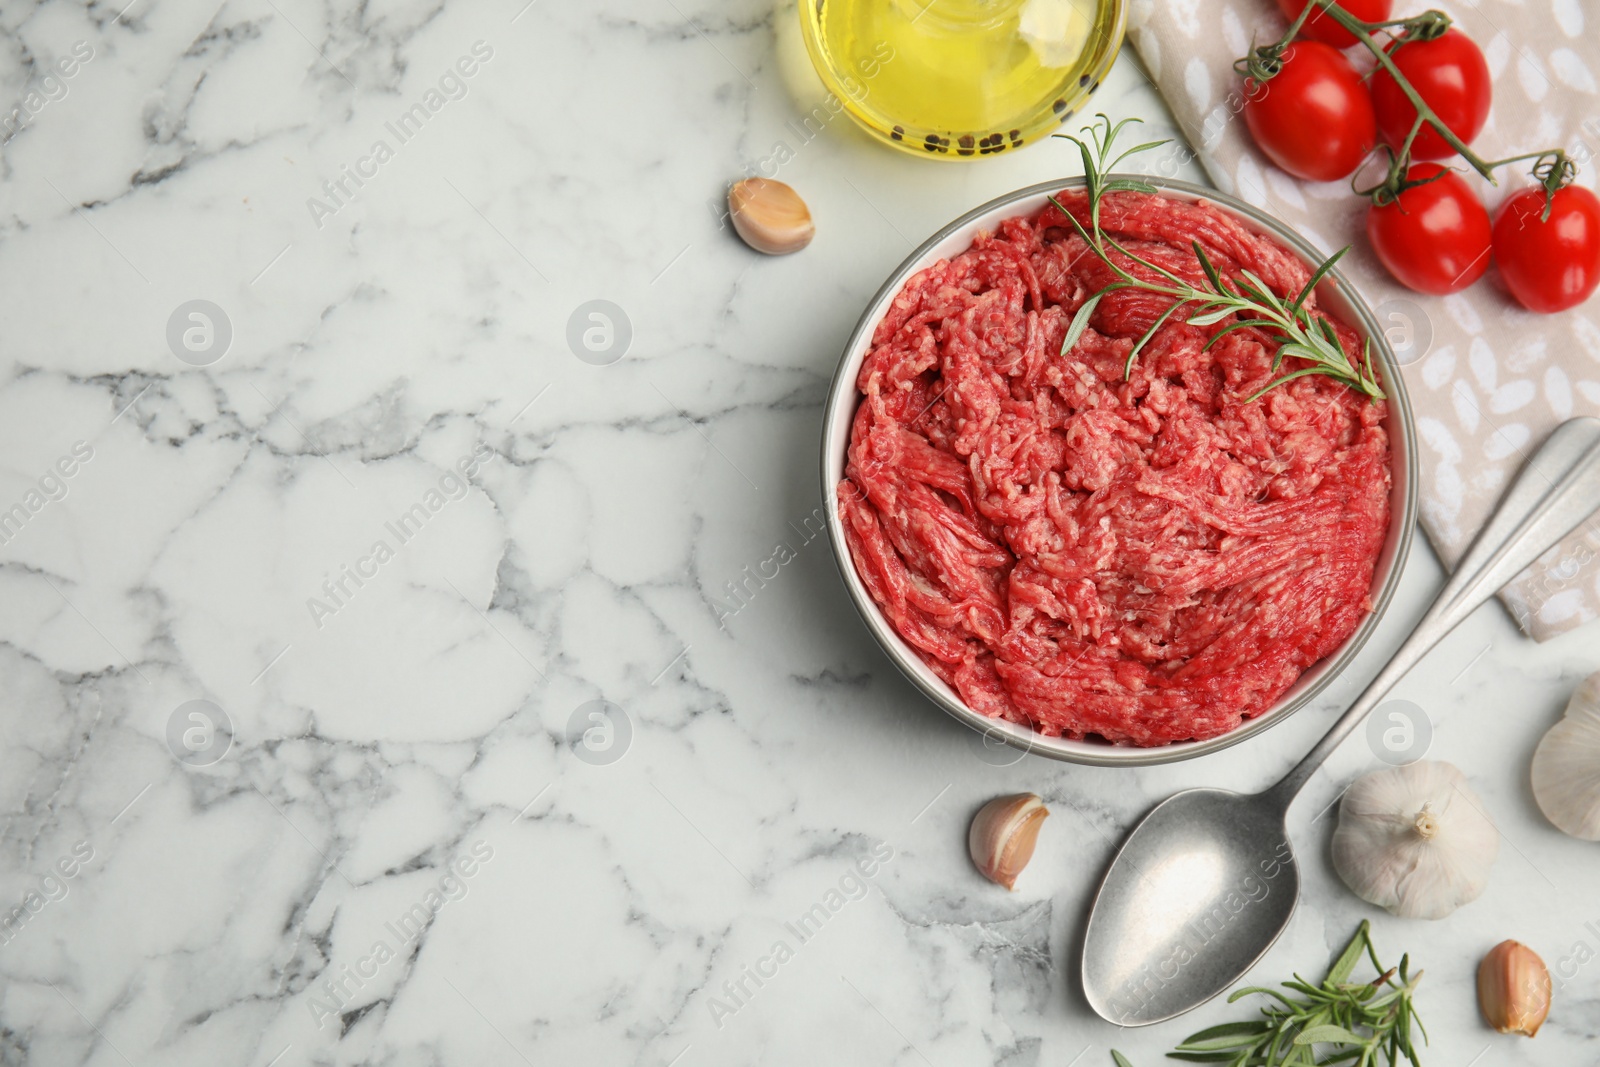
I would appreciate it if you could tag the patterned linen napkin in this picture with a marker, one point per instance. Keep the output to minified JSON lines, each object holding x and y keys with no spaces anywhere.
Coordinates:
{"x":1487,"y":379}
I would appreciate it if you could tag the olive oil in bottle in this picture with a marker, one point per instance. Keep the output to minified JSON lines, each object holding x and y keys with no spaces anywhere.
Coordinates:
{"x":962,"y":79}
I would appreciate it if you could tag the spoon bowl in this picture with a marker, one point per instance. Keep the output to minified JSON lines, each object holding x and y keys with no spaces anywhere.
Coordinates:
{"x":1204,"y":884}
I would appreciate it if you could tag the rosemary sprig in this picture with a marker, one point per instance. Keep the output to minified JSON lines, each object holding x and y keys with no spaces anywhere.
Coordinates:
{"x":1363,"y":1024}
{"x":1298,"y":332}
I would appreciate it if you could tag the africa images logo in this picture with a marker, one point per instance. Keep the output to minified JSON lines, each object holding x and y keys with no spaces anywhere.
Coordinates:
{"x":341,"y":588}
{"x":340,"y":190}
{"x":341,"y":987}
{"x":851,"y":886}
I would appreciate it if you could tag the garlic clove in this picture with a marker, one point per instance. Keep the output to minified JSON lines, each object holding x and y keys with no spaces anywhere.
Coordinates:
{"x":1514,"y":989}
{"x":1003,"y":834}
{"x":1566,"y":766}
{"x":770,"y":216}
{"x":1414,"y":840}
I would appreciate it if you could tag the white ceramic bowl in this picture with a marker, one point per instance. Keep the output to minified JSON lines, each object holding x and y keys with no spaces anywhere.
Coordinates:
{"x":1335,"y":294}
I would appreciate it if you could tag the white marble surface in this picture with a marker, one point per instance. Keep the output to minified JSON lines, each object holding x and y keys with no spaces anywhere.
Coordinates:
{"x":421,"y":719}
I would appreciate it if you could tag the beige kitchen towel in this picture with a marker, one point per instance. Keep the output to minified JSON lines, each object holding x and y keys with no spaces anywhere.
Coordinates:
{"x":1488,"y":380}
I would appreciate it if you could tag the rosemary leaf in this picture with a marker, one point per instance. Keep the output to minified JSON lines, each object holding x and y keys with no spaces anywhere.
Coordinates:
{"x":1239,"y":325}
{"x":1321,"y":272}
{"x":1133,"y":353}
{"x":1080,"y":321}
{"x":1240,"y":994}
{"x":1327,"y":1034}
{"x":1136,"y":149}
{"x":1293,"y":348}
{"x":1327,"y":331}
{"x":1226,"y":1035}
{"x":1263,"y":292}
{"x":1201,"y":1057}
{"x":1211,"y":272}
{"x":1211,"y":318}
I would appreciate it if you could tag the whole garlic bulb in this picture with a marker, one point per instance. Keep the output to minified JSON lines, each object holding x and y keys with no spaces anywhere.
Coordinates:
{"x":1566,"y":766}
{"x":1414,"y":840}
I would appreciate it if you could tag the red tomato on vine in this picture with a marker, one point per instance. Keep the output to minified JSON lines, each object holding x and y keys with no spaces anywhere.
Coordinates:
{"x":1433,"y":238}
{"x":1451,"y":76}
{"x":1313,"y":118}
{"x":1549,"y":264}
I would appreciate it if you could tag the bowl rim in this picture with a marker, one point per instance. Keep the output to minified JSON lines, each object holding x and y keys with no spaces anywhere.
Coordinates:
{"x":1316,"y":678}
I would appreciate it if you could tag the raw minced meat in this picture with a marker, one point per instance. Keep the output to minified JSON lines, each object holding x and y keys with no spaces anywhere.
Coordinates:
{"x":1143,"y":561}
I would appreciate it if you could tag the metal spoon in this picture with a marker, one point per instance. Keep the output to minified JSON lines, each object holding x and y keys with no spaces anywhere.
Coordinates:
{"x":1206,"y":883}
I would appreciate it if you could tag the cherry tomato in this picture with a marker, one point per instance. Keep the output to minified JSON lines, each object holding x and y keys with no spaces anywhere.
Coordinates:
{"x":1319,"y":27}
{"x":1549,"y":264}
{"x":1451,"y":76}
{"x":1314,"y":118}
{"x":1435,"y":238}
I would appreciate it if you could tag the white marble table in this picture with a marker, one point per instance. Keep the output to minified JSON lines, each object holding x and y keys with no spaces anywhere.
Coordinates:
{"x":397,"y":855}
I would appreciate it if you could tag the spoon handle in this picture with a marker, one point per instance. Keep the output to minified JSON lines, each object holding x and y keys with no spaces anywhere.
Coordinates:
{"x":1554,"y":492}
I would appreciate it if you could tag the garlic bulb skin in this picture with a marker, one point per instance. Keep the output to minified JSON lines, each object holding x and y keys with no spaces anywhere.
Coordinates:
{"x":1414,"y":840}
{"x":1566,"y":766}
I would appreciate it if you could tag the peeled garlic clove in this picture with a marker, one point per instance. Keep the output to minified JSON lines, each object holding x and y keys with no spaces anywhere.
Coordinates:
{"x":1566,"y":766}
{"x":1514,"y":989}
{"x":1414,"y":840}
{"x":1003,"y":834}
{"x":770,"y":216}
